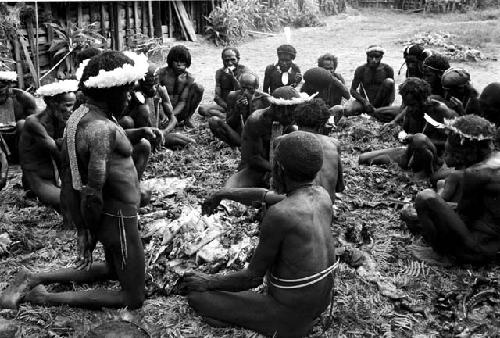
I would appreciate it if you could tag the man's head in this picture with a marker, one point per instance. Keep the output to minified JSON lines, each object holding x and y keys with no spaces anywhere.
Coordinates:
{"x":115,"y":96}
{"x":87,"y":53}
{"x":433,"y":68}
{"x":470,"y":141}
{"x":414,"y":91}
{"x":316,"y":80}
{"x":374,"y":55}
{"x":490,"y":103}
{"x":7,"y":80}
{"x":455,"y":82}
{"x":286,"y":55}
{"x":283,"y":108}
{"x":328,"y":61}
{"x":179,"y":59}
{"x":298,"y":158}
{"x":230,"y":57}
{"x":147,"y":85}
{"x":414,"y":56}
{"x":312,"y":115}
{"x":61,"y":105}
{"x":249,"y":82}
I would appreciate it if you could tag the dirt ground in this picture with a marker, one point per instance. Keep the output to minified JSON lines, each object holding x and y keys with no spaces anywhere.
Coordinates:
{"x":400,"y":297}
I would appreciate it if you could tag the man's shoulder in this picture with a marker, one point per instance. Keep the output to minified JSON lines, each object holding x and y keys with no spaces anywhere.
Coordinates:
{"x":270,"y":68}
{"x":385,"y":66}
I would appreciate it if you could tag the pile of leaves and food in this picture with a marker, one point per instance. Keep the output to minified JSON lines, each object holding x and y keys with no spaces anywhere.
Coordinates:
{"x":388,"y":282}
{"x":445,"y":43}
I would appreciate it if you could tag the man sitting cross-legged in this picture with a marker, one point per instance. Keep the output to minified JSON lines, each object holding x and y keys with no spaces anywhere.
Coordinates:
{"x":141,"y":108}
{"x":284,"y":72}
{"x":240,"y":105}
{"x":459,"y":94}
{"x":100,"y":188}
{"x":468,"y":229}
{"x":489,"y":101}
{"x":335,"y":91}
{"x":295,"y":251}
{"x":433,"y":69}
{"x":226,"y":80}
{"x":185,"y":93}
{"x":41,"y":139}
{"x":425,"y":142}
{"x":311,"y":117}
{"x":255,"y":169}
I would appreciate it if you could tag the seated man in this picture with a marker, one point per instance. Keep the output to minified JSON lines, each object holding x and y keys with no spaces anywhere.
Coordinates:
{"x":425,"y":142}
{"x":433,"y":69}
{"x":226,"y":81}
{"x":311,"y":117}
{"x":241,"y":104}
{"x":373,"y":84}
{"x":41,"y":139}
{"x":489,"y":102}
{"x":284,"y":72}
{"x":255,"y":168}
{"x":329,"y":87}
{"x":295,"y":252}
{"x":15,"y":106}
{"x":185,"y":94}
{"x":335,"y":92}
{"x":141,"y":109}
{"x":4,"y":164}
{"x":414,"y":56}
{"x":467,"y":230}
{"x":459,"y":94}
{"x":100,"y":187}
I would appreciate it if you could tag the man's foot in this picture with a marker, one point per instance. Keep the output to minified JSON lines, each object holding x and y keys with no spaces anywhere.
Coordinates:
{"x":410,"y":217}
{"x":37,"y":295}
{"x":16,"y":290}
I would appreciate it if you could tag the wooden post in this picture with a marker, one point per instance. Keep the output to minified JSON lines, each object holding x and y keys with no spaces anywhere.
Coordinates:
{"x":37,"y":54}
{"x":144,"y":19}
{"x":117,"y":26}
{"x":80,"y":14}
{"x":136,"y":18}
{"x":19,"y":64}
{"x":170,"y":19}
{"x":157,"y":20}
{"x":150,"y":19}
{"x":103,"y":22}
{"x":127,"y":24}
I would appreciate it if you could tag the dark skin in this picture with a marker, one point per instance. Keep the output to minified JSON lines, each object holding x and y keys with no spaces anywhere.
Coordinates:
{"x":111,"y":186}
{"x":287,"y":249}
{"x":241,"y":104}
{"x":468,"y":229}
{"x":424,"y":141}
{"x":255,"y":141}
{"x":4,"y":168}
{"x":285,"y":62}
{"x":39,"y":149}
{"x":489,"y":101}
{"x":226,"y":80}
{"x":433,"y":77}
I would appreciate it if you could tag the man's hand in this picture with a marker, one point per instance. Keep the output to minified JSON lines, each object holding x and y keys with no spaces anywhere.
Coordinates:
{"x":86,"y":243}
{"x":457,"y":105}
{"x":210,"y":204}
{"x":91,"y":206}
{"x":242,"y":100}
{"x":298,"y":78}
{"x":194,"y":281}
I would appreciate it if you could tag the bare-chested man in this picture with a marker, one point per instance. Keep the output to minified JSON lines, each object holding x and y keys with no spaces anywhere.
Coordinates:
{"x":226,"y":80}
{"x":468,"y":229}
{"x":311,"y":117}
{"x":255,"y":169}
{"x":459,"y":94}
{"x":15,"y":106}
{"x":329,"y":87}
{"x":41,"y":140}
{"x":433,"y":69}
{"x":335,"y":91}
{"x":240,"y":105}
{"x":295,"y":252}
{"x":141,"y":108}
{"x":101,"y":188}
{"x":185,"y":94}
{"x":489,"y":101}
{"x":414,"y":56}
{"x":284,"y":72}
{"x":425,"y":142}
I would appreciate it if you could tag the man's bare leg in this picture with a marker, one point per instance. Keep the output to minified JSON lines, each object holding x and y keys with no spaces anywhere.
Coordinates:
{"x":45,"y":189}
{"x":224,"y":132}
{"x":251,"y":310}
{"x":141,"y":153}
{"x":209,"y":110}
{"x":246,"y":178}
{"x":382,"y":157}
{"x":176,"y":141}
{"x":385,"y":94}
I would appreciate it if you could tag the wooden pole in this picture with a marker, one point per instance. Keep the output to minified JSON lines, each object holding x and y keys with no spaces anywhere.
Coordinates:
{"x":150,"y":19}
{"x":144,"y":17}
{"x":136,"y":18}
{"x":37,"y":55}
{"x":103,"y":22}
{"x":170,"y":19}
{"x":127,"y":24}
{"x":79,"y":10}
{"x":19,"y":64}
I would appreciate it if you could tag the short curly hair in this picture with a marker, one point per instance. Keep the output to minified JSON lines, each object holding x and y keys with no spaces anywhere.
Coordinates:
{"x":179,"y":53}
{"x":330,"y":57}
{"x":233,"y":49}
{"x":437,"y":62}
{"x":312,"y":114}
{"x":420,"y":89}
{"x":105,"y":61}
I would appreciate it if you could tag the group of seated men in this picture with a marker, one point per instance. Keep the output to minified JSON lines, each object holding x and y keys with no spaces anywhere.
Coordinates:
{"x":88,"y":161}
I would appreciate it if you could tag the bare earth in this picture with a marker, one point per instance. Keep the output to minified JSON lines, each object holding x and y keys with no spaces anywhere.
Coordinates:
{"x":396,"y":296}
